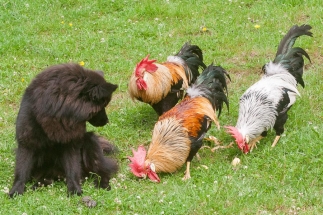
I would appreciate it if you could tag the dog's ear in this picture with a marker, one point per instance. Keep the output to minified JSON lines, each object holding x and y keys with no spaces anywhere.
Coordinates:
{"x":100,"y":72}
{"x":102,"y":92}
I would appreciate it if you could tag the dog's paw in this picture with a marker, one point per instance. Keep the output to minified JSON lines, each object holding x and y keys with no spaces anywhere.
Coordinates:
{"x":16,"y":190}
{"x":74,"y":190}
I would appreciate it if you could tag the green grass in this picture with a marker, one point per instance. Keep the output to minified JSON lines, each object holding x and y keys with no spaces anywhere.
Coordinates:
{"x":113,"y":36}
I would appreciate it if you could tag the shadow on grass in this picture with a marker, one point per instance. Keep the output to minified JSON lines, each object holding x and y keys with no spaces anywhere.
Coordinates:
{"x":141,"y":117}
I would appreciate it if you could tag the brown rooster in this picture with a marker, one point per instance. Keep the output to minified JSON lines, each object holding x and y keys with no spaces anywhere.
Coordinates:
{"x":161,"y":85}
{"x":178,"y":134}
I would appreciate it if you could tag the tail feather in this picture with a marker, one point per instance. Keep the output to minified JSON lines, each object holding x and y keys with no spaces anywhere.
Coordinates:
{"x":289,"y":39}
{"x":193,"y":56}
{"x":296,"y":51}
{"x":212,"y":85}
{"x":292,"y":58}
{"x":188,"y":48}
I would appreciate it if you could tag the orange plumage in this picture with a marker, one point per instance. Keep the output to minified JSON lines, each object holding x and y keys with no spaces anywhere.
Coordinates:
{"x":161,"y":84}
{"x":179,"y":132}
{"x":190,"y":113}
{"x":175,"y":128}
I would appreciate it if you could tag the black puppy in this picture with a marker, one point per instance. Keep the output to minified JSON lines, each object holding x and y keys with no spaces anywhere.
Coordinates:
{"x":51,"y":129}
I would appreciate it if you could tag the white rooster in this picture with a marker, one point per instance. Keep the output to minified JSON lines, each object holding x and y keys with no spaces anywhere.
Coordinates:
{"x":265,"y":104}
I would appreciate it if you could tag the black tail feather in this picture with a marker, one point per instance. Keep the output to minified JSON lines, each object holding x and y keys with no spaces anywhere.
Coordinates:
{"x":212,"y":82}
{"x":292,"y":58}
{"x":193,"y":49}
{"x":219,"y":99}
{"x":193,"y":56}
{"x":289,"y":39}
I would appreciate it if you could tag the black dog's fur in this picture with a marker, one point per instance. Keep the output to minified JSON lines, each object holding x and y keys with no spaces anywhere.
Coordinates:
{"x":51,"y":129}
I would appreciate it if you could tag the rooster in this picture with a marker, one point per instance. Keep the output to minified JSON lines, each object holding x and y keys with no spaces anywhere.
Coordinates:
{"x":178,"y":134}
{"x":162,"y":85}
{"x":265,"y":104}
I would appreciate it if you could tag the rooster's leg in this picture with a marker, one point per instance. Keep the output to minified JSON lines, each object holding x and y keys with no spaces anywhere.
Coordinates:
{"x":275,"y":141}
{"x":198,"y":157}
{"x":254,"y":142}
{"x":222,"y":147}
{"x":217,"y":143}
{"x":187,"y":172}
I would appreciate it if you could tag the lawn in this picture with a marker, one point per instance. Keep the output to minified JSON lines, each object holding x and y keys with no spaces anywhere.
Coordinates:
{"x":113,"y":36}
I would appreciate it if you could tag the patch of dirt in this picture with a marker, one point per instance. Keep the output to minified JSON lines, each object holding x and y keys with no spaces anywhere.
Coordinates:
{"x":316,"y":58}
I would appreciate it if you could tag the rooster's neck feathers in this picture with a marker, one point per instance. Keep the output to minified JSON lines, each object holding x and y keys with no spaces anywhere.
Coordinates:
{"x":167,"y":134}
{"x":257,"y":108}
{"x":158,"y":85}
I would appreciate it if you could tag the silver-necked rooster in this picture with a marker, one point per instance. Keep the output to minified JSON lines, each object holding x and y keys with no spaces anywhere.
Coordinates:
{"x":265,"y":104}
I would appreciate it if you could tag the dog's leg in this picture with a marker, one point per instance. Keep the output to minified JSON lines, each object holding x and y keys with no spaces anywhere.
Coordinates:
{"x":95,"y":161}
{"x":72,"y":167}
{"x":107,"y":167}
{"x":24,"y":165}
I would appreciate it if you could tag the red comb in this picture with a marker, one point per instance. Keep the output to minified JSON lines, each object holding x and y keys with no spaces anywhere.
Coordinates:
{"x":234,"y":132}
{"x":138,"y":161}
{"x":146,"y":64}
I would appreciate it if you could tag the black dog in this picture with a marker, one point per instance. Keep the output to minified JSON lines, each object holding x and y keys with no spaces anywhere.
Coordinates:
{"x":51,"y":129}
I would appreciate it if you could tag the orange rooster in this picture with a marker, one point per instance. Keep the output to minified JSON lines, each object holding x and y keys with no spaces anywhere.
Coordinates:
{"x":161,"y":85}
{"x":178,"y":134}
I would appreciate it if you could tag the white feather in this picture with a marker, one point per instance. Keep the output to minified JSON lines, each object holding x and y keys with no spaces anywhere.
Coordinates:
{"x":195,"y":91}
{"x":176,"y":60}
{"x":273,"y":68}
{"x":258,"y":105}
